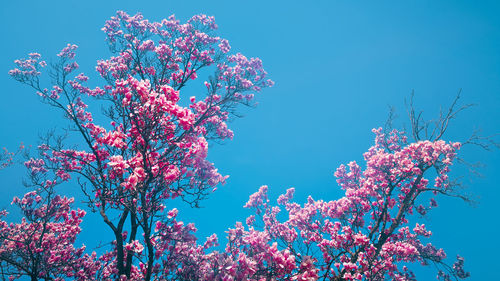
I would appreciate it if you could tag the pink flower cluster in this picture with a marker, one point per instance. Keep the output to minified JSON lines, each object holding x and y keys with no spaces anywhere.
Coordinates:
{"x":28,"y":69}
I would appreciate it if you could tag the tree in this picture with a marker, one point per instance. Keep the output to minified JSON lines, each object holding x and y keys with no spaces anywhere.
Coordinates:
{"x":373,"y":232}
{"x":366,"y":235}
{"x":152,"y":148}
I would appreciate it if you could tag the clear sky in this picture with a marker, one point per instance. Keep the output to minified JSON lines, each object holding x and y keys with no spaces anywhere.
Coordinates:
{"x":337,"y":66}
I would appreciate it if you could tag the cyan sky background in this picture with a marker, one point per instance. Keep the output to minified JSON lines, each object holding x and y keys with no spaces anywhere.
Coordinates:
{"x":337,"y":66}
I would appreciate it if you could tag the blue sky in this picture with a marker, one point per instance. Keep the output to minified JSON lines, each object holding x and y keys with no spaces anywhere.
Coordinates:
{"x":337,"y":65}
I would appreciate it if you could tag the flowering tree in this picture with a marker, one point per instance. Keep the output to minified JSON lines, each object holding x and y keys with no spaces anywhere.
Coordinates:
{"x":152,"y":148}
{"x":367,"y":234}
{"x":373,"y":232}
